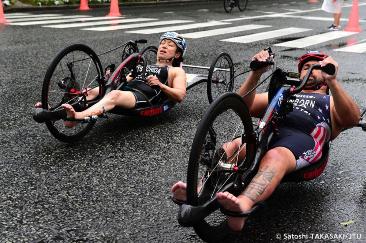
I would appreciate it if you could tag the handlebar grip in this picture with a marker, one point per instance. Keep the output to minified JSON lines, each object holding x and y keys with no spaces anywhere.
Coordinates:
{"x":255,"y":65}
{"x":141,"y":41}
{"x":329,"y":69}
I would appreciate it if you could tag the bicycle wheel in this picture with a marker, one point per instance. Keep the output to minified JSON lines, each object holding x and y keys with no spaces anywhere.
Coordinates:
{"x":128,"y":49}
{"x":75,"y":70}
{"x":220,"y":77}
{"x":242,"y":5}
{"x":229,"y":5}
{"x":225,"y":123}
{"x":149,"y":55}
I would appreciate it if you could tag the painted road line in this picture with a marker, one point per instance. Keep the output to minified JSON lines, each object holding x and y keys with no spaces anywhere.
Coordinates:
{"x":138,"y":25}
{"x":315,"y":39}
{"x":104,"y":22}
{"x":28,"y":16}
{"x":222,"y":31}
{"x":266,"y":35}
{"x":35,"y":21}
{"x":55,"y":21}
{"x":357,"y":48}
{"x":178,"y":27}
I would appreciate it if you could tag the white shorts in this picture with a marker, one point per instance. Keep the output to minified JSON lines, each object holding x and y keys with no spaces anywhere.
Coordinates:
{"x":331,"y":6}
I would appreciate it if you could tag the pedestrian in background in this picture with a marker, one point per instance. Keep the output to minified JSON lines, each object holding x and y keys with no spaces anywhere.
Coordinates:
{"x":334,"y":7}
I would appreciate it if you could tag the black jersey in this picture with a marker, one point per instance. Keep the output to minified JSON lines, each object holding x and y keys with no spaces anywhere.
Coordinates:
{"x":152,"y":93}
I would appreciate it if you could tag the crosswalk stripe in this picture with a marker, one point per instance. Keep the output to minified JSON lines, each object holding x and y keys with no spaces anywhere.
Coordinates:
{"x":55,"y":21}
{"x":222,"y":31}
{"x":315,"y":39}
{"x":104,"y":22}
{"x":28,"y":16}
{"x":35,"y":21}
{"x":357,"y":48}
{"x":177,"y":27}
{"x":266,"y":35}
{"x":16,"y":14}
{"x":138,"y":25}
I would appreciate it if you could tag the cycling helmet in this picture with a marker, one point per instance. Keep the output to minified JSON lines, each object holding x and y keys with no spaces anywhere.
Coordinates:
{"x":177,"y":39}
{"x":310,"y":56}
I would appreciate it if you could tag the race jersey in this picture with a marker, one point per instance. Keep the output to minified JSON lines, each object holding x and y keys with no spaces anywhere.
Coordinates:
{"x":311,"y":116}
{"x":153,"y":93}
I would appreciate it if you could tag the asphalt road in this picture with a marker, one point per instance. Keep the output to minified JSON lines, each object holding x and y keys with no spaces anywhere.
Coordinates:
{"x":114,"y":184}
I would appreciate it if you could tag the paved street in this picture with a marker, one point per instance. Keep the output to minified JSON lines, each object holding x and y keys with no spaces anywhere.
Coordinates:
{"x":114,"y":184}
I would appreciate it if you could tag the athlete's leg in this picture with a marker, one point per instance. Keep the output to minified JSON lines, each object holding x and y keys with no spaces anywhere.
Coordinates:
{"x":124,"y":99}
{"x":275,"y":164}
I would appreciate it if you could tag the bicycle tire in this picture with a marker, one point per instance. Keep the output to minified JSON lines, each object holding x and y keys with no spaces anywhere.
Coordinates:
{"x":228,"y":5}
{"x":128,"y":49}
{"x":242,"y":5}
{"x":220,"y":76}
{"x":204,"y":145}
{"x":149,"y":54}
{"x":64,"y":82}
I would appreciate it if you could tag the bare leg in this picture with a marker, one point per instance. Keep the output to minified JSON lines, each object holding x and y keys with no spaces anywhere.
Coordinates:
{"x":115,"y":98}
{"x":275,"y":164}
{"x":337,"y":19}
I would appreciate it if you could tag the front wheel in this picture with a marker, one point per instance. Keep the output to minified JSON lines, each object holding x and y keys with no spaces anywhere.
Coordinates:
{"x":220,"y":77}
{"x":224,"y":126}
{"x":72,"y":77}
{"x":242,"y":5}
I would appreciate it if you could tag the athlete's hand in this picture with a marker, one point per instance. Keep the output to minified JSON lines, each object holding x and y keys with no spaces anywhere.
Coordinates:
{"x":152,"y":80}
{"x":262,"y":56}
{"x":329,"y":78}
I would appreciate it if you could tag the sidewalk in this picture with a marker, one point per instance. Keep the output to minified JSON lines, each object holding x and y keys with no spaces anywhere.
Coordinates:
{"x":21,"y":7}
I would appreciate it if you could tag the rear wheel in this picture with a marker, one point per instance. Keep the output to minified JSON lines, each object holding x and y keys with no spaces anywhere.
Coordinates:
{"x":129,"y":49}
{"x":242,"y":4}
{"x":229,"y":5}
{"x":73,"y":75}
{"x":149,"y":55}
{"x":224,"y":125}
{"x":220,"y":77}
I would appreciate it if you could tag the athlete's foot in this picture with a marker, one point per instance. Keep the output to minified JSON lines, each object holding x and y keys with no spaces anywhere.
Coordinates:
{"x":38,"y":104}
{"x":71,"y":113}
{"x":234,"y":204}
{"x":179,"y":190}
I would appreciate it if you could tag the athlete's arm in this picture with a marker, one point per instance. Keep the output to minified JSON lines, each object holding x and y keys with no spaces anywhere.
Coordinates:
{"x":256,"y":103}
{"x":345,"y":112}
{"x":177,"y":92}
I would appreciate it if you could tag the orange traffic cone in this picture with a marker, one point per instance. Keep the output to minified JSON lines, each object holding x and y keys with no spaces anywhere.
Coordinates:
{"x":114,"y":10}
{"x":2,"y":16}
{"x":84,"y":5}
{"x":353,"y":21}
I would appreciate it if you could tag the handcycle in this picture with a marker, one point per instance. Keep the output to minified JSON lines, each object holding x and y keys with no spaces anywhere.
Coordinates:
{"x":77,"y":70}
{"x":230,"y":4}
{"x":228,"y":119}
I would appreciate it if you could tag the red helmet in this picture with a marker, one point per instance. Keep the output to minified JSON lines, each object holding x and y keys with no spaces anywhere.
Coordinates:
{"x":310,"y":56}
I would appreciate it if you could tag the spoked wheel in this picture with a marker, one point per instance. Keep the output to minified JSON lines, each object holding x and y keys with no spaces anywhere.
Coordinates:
{"x":149,"y":55}
{"x":242,"y":5}
{"x":129,"y":49}
{"x":229,"y":5}
{"x":73,"y":77}
{"x":224,"y":125}
{"x":220,"y":77}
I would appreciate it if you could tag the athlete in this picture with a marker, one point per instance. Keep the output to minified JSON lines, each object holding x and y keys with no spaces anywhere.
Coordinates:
{"x":316,"y":119}
{"x":145,"y":86}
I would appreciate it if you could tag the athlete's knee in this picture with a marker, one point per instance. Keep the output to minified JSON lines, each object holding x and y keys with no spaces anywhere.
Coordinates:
{"x":280,"y":158}
{"x":113,"y":96}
